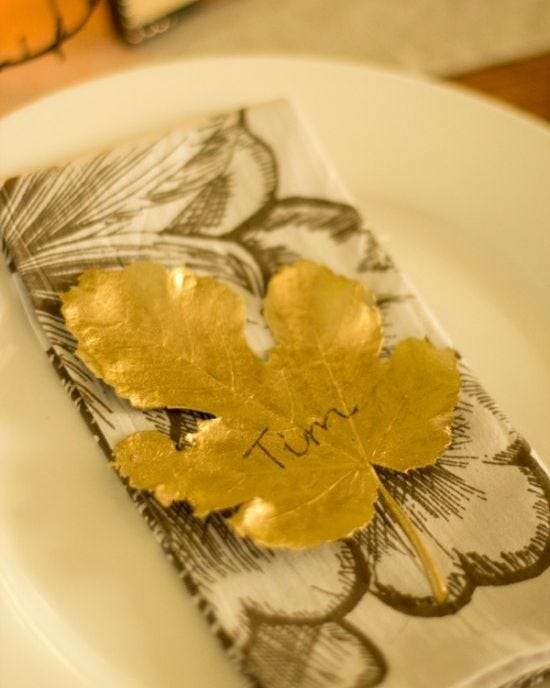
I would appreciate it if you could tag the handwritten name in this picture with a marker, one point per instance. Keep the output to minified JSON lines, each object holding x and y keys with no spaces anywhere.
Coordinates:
{"x":309,"y":437}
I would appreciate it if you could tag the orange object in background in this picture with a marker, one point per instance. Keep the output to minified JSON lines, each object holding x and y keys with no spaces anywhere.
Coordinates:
{"x":30,"y":28}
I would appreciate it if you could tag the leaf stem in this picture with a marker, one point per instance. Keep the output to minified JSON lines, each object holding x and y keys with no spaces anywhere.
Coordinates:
{"x":437,"y":583}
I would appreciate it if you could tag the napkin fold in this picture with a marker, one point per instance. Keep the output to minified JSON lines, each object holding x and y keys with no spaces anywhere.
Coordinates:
{"x":236,"y":198}
{"x":432,"y":36}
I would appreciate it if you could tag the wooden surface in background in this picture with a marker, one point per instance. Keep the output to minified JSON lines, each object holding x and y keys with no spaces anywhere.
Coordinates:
{"x":525,"y":84}
{"x":97,"y":50}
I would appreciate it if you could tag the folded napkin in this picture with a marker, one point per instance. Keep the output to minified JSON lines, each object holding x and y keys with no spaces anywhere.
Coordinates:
{"x":237,"y":198}
{"x":435,"y":36}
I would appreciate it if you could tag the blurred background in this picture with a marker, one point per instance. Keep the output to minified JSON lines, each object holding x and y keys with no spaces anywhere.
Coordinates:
{"x":499,"y":47}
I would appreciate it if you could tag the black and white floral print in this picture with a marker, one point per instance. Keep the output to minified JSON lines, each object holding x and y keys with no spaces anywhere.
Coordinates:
{"x":211,"y":199}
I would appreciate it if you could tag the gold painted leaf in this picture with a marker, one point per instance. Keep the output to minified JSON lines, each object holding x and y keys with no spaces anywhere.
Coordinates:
{"x":297,"y":438}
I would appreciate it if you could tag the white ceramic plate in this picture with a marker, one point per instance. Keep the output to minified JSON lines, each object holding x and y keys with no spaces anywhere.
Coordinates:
{"x":458,"y":188}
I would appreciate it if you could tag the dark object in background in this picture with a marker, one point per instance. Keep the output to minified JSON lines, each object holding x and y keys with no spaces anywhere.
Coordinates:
{"x":138,"y":20}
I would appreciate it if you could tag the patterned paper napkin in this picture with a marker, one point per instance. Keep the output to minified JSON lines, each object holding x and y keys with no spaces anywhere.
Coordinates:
{"x":236,"y":198}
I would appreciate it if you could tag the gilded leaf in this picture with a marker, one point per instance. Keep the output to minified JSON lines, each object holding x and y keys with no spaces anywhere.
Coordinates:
{"x":297,"y":438}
